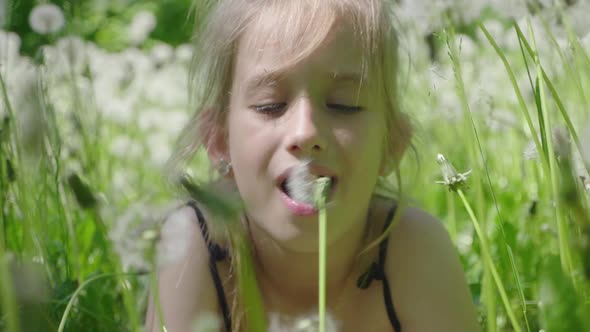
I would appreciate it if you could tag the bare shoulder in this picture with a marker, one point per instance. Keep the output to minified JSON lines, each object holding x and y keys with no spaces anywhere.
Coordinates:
{"x":427,"y":280}
{"x":185,"y":285}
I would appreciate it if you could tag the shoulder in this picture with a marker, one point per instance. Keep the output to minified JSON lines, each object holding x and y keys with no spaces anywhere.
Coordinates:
{"x":427,"y":280}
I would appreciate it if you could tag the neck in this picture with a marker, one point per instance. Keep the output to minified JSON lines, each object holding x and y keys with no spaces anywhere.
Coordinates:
{"x":289,"y":279}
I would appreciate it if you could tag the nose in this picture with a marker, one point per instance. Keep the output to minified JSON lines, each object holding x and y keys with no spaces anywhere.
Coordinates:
{"x":306,"y":128}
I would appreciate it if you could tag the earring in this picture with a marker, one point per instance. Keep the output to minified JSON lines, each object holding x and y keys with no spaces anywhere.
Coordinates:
{"x":224,"y":167}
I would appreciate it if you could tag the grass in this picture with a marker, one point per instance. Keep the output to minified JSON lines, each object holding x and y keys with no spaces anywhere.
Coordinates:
{"x":521,"y":226}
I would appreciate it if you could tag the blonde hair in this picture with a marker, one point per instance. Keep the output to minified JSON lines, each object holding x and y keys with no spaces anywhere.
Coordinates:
{"x":305,"y":25}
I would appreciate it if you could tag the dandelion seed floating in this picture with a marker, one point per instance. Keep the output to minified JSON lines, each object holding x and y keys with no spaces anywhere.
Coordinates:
{"x":451,"y":178}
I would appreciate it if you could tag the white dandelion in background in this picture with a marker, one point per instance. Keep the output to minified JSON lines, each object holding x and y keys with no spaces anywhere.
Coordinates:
{"x":207,"y":322}
{"x":161,"y":53}
{"x":143,"y":23}
{"x":184,"y":53}
{"x":46,"y":19}
{"x":509,"y":8}
{"x":142,"y":228}
{"x":303,"y":323}
{"x":9,"y":47}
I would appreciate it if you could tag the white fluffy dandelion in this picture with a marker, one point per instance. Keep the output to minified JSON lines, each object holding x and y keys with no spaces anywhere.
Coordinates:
{"x":303,"y":323}
{"x":46,"y":19}
{"x":162,"y":53}
{"x":184,"y":53}
{"x":9,"y":49}
{"x":207,"y":322}
{"x":300,"y":183}
{"x":143,"y":23}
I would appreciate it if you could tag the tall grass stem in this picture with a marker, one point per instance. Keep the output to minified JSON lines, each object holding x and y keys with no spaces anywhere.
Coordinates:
{"x":485,"y":248}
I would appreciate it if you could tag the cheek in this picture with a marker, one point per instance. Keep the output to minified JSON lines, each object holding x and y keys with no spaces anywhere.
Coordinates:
{"x":250,"y":147}
{"x":363,"y":137}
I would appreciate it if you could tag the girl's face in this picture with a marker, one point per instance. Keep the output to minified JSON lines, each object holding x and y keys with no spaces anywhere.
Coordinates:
{"x":318,"y":109}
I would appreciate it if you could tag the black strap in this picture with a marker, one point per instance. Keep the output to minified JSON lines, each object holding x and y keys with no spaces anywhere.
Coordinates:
{"x":377,"y":272}
{"x":216,"y":253}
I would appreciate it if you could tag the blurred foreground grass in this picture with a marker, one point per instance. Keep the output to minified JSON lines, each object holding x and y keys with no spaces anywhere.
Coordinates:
{"x":84,"y":134}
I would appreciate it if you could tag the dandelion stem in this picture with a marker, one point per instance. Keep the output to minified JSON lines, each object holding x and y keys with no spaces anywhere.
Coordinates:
{"x":321,"y":192}
{"x":488,"y":261}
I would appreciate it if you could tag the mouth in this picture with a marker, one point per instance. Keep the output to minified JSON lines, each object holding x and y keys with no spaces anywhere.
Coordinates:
{"x":297,"y":185}
{"x":301,"y":205}
{"x":306,"y":192}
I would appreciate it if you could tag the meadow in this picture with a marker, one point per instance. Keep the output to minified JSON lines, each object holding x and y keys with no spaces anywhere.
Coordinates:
{"x":93,"y":95}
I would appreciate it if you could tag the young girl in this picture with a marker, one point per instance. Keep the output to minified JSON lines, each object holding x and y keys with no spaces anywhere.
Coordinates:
{"x":279,"y":83}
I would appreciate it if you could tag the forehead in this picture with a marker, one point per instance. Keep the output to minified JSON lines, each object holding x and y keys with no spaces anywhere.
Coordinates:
{"x":326,"y":49}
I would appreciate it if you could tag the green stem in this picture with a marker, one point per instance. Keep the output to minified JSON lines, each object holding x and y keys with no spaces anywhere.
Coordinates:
{"x":157,"y":304}
{"x":8,"y":297}
{"x":521,"y":101}
{"x":562,"y":228}
{"x":485,"y":248}
{"x":558,"y":102}
{"x":248,"y":284}
{"x":322,"y":189}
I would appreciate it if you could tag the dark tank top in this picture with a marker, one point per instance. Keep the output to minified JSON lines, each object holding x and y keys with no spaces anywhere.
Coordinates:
{"x":375,"y":272}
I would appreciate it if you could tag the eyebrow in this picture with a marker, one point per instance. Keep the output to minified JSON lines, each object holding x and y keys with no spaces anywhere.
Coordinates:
{"x":266,"y":78}
{"x":271,"y":78}
{"x":348,"y":77}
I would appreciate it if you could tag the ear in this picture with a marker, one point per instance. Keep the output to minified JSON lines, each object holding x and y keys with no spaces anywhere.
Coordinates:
{"x":212,"y":134}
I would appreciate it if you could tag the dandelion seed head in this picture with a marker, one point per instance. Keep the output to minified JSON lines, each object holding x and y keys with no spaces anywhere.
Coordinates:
{"x":9,"y":49}
{"x":207,"y":322}
{"x":465,"y":241}
{"x":161,"y":53}
{"x":301,"y":183}
{"x":303,"y":323}
{"x":530,"y":151}
{"x":184,"y":53}
{"x":143,"y":23}
{"x":451,"y":178}
{"x":46,"y":19}
{"x":135,"y":231}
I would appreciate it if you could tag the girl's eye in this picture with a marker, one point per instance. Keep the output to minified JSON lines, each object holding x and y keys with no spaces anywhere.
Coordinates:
{"x":276,"y":108}
{"x":269,"y":109}
{"x":345,"y":108}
